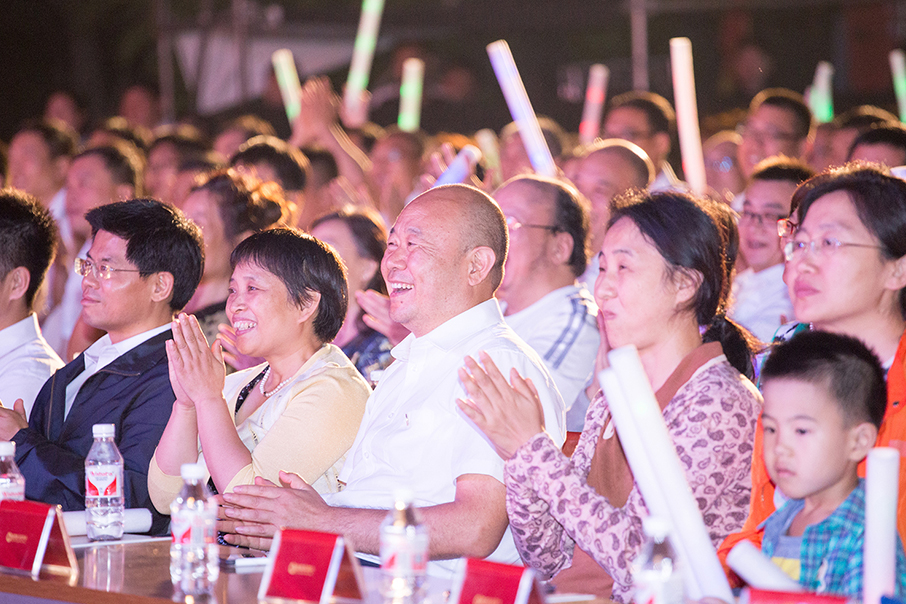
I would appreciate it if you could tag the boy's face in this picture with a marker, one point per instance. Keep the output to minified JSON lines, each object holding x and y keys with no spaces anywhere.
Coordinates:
{"x":809,"y":450}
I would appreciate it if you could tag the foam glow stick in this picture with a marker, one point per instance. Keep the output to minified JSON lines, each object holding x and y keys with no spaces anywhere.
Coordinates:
{"x":690,"y":137}
{"x":487,"y":142}
{"x":135,"y":520}
{"x":362,"y":54}
{"x":288,"y":80}
{"x":898,"y":70}
{"x":686,"y":519}
{"x":521,"y":108}
{"x":411,"y":94}
{"x":595,"y":94}
{"x":821,"y":94}
{"x":461,"y":166}
{"x":758,"y":570}
{"x":642,"y":472}
{"x":881,"y":481}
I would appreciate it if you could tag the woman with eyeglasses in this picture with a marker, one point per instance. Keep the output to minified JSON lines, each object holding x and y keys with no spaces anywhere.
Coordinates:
{"x":845,"y":250}
{"x":662,"y":287}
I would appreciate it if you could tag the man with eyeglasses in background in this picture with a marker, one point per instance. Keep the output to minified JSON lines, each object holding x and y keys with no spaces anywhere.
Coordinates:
{"x":760,"y":301}
{"x":144,"y":264}
{"x":540,"y":297}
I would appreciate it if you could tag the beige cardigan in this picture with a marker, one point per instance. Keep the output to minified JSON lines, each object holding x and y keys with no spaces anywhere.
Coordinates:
{"x":306,"y":428}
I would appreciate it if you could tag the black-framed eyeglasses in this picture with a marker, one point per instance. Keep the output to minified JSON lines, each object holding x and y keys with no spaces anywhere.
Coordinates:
{"x":84,"y":266}
{"x":515,"y":225}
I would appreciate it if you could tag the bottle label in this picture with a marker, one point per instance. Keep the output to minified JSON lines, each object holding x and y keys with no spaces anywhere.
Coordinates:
{"x":189,"y":527}
{"x":404,"y":555}
{"x":104,"y":480}
{"x":13,"y":491}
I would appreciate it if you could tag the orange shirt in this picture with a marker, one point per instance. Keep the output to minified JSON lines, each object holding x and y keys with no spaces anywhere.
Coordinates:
{"x":892,"y":434}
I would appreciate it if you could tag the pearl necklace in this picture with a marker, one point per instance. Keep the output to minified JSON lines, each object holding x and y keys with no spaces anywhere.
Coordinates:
{"x":267,"y":373}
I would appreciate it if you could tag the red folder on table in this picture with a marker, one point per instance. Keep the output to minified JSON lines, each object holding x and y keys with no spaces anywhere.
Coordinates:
{"x":33,"y":539}
{"x":483,"y":582}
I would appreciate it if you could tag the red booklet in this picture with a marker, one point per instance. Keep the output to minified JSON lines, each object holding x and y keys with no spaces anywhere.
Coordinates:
{"x":308,"y":566}
{"x":483,"y":582}
{"x":34,"y":539}
{"x":763,"y":596}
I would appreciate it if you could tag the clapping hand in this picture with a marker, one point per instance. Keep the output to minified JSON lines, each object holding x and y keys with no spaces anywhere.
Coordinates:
{"x":198,"y":370}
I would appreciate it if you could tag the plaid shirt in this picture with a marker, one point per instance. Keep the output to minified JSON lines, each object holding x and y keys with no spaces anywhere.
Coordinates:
{"x":831,"y":555}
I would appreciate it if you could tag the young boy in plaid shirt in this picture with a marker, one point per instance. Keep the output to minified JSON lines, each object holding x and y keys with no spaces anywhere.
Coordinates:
{"x":824,"y":398}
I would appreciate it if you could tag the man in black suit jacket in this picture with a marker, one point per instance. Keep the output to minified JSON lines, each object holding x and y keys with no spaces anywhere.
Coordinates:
{"x":144,"y":264}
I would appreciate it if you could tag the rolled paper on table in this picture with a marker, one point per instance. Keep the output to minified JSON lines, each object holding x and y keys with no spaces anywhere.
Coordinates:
{"x":898,"y":71}
{"x":595,"y":94}
{"x":288,"y":81}
{"x":757,"y":569}
{"x":135,"y":520}
{"x":487,"y":142}
{"x":686,"y":518}
{"x":642,"y":472}
{"x":521,"y":108}
{"x":690,"y":137}
{"x":362,"y":54}
{"x":881,"y":493}
{"x":411,"y":94}
{"x":461,"y":166}
{"x":821,"y":94}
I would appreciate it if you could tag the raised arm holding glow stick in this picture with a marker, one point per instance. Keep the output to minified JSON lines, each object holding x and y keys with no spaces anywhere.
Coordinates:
{"x":411,"y":94}
{"x":882,"y":477}
{"x":687,"y":114}
{"x":461,"y":167}
{"x":521,"y":108}
{"x":898,"y":70}
{"x":821,"y":94}
{"x":288,"y":81}
{"x":595,"y":95}
{"x":362,"y":55}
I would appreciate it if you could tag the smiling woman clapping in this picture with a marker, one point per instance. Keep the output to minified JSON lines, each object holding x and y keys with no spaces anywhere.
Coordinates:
{"x":300,"y":410}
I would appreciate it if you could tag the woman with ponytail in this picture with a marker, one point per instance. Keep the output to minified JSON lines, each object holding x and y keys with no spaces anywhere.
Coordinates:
{"x":662,"y":284}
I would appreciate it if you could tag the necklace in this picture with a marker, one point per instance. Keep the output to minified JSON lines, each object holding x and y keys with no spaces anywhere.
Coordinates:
{"x":267,"y":373}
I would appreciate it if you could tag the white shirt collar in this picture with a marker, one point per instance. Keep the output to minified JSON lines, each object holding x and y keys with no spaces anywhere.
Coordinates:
{"x":455,"y":330}
{"x":16,"y":334}
{"x":103,"y":352}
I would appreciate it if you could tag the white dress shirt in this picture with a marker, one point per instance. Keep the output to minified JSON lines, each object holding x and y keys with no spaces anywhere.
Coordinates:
{"x":414,"y":436}
{"x":102,"y":353}
{"x":26,"y":362}
{"x":760,"y":301}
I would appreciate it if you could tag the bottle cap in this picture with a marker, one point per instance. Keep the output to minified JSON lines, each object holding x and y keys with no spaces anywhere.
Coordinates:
{"x":656,"y":527}
{"x":103,"y":430}
{"x":7,"y":448}
{"x":192,"y":471}
{"x":402,"y":497}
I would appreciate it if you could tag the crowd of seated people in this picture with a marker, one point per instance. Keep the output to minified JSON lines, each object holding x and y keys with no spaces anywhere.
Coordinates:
{"x":319,"y":326}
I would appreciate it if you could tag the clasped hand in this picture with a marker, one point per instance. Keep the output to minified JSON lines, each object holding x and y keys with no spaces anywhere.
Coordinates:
{"x":197,"y":372}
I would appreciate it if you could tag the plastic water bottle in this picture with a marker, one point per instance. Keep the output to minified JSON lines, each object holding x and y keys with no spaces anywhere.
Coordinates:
{"x":104,"y":503}
{"x":404,"y":551}
{"x":656,"y":574}
{"x":194,"y":563}
{"x":12,"y":483}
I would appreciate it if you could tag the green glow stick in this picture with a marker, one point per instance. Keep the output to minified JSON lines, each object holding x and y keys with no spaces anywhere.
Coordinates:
{"x":821,"y":94}
{"x":411,"y":94}
{"x":363,"y":54}
{"x":288,"y":80}
{"x":898,"y":69}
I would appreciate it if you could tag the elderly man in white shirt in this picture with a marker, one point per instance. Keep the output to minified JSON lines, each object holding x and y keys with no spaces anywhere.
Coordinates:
{"x":27,"y":245}
{"x":444,"y":261}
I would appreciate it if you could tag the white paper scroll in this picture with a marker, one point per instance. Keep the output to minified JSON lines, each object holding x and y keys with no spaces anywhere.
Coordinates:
{"x":757,"y":570}
{"x":595,"y":95}
{"x":135,"y":520}
{"x":881,"y":492}
{"x":690,"y":137}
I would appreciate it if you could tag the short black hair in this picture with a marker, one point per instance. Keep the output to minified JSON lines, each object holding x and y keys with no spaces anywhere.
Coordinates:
{"x":159,"y":238}
{"x":893,"y":135}
{"x":28,"y":237}
{"x":793,"y":102}
{"x":120,"y":127}
{"x":850,"y":371}
{"x":188,"y":141}
{"x":305,"y":265}
{"x":61,"y":140}
{"x":289,"y":163}
{"x":244,"y":202}
{"x":863,"y":117}
{"x":250,"y":125}
{"x":781,"y":168}
{"x":122,"y":160}
{"x":660,"y":114}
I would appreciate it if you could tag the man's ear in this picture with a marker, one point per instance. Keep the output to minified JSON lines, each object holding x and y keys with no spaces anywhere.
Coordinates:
{"x":18,"y":281}
{"x":161,"y":286}
{"x":562,"y":249}
{"x":862,"y":438}
{"x":480,"y":260}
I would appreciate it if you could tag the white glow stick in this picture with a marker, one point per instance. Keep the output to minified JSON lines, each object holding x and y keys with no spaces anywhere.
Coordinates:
{"x":288,"y":80}
{"x":690,"y":137}
{"x":521,"y":108}
{"x":487,"y":142}
{"x":686,"y":518}
{"x":879,"y":564}
{"x":757,"y":569}
{"x":595,"y":94}
{"x":642,"y":472}
{"x":898,"y":70}
{"x":135,"y":520}
{"x":461,"y":166}
{"x":821,"y":94}
{"x":411,"y":94}
{"x":362,"y":54}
